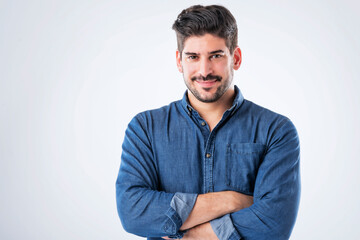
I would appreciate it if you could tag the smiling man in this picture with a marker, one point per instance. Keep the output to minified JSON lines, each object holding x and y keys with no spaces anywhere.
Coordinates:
{"x":212,"y":165}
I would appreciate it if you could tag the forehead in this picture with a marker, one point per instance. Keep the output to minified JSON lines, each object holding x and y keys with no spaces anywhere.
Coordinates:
{"x":204,"y":44}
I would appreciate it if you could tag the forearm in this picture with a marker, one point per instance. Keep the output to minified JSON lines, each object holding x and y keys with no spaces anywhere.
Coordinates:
{"x":200,"y":232}
{"x":213,"y":205}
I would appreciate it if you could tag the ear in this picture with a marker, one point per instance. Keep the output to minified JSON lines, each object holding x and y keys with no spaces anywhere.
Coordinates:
{"x":178,"y":61}
{"x":237,"y":58}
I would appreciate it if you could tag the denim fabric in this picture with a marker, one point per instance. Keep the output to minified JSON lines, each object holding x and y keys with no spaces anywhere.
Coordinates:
{"x":183,"y":203}
{"x":170,"y":152}
{"x":224,"y":228}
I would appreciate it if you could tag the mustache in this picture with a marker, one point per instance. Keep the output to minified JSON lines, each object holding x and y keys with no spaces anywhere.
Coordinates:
{"x":208,"y":77}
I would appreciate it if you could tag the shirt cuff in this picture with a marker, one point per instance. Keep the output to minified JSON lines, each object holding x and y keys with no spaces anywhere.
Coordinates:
{"x":183,"y":204}
{"x":180,"y":207}
{"x":224,"y":228}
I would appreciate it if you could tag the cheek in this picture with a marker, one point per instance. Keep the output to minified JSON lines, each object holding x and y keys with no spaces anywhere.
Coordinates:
{"x":226,"y":66}
{"x":189,"y":69}
{"x":222,"y":68}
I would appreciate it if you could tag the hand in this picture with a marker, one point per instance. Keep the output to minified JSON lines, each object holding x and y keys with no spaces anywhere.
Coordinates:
{"x":201,"y":232}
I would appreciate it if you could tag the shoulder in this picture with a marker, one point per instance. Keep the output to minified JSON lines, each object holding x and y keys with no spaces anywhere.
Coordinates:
{"x":256,"y":111}
{"x":272,"y":122}
{"x":157,"y":115}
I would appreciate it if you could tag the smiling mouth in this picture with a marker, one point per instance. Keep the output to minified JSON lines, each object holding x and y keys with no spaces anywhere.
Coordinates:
{"x":208,"y":78}
{"x":207,"y":83}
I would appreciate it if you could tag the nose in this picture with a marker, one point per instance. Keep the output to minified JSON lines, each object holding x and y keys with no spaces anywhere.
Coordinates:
{"x":205,"y":67}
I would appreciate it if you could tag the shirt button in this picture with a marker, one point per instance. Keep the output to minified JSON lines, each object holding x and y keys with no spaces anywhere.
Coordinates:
{"x":208,"y":155}
{"x":203,"y":124}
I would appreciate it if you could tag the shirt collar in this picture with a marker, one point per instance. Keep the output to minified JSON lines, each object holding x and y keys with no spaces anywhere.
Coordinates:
{"x":238,"y":100}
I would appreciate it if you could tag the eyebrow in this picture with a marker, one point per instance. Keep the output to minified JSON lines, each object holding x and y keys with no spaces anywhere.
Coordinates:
{"x":213,"y":52}
{"x":217,"y":51}
{"x":190,"y":53}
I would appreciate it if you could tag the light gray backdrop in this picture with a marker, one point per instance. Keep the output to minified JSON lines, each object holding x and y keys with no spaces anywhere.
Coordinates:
{"x":73,"y":74}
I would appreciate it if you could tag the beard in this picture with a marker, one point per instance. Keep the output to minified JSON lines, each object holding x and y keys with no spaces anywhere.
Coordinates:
{"x":220,"y":91}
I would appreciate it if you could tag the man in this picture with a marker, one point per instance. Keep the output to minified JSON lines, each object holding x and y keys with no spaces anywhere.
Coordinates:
{"x":212,"y":165}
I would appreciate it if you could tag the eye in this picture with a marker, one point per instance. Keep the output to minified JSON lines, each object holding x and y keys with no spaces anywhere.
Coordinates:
{"x":192,"y":57}
{"x":216,"y":56}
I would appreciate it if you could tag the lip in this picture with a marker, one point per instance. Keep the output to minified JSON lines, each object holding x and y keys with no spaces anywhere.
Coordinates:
{"x":207,"y":84}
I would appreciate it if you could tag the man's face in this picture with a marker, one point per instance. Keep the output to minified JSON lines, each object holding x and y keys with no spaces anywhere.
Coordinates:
{"x":207,"y":66}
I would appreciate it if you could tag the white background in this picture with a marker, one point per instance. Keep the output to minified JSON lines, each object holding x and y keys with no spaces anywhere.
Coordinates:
{"x":73,"y":74}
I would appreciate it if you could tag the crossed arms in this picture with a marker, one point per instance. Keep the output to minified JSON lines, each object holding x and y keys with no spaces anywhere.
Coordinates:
{"x":147,"y":212}
{"x":211,"y":206}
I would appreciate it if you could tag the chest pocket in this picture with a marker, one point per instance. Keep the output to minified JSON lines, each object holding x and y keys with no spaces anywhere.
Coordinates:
{"x":242,"y":163}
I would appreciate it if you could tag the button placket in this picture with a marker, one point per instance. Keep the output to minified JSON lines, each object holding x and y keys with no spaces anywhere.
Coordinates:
{"x":209,"y":162}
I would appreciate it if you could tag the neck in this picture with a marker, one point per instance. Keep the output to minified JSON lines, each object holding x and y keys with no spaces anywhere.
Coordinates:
{"x":212,"y":112}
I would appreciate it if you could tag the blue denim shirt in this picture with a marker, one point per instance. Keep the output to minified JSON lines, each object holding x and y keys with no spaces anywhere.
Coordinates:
{"x":169,"y":156}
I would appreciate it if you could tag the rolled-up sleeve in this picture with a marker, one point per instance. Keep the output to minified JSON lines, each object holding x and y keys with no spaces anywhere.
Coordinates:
{"x":143,"y":210}
{"x":276,"y":193}
{"x":183,"y":203}
{"x":224,"y":228}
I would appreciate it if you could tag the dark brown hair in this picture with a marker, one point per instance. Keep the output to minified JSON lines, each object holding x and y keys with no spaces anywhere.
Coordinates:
{"x":198,"y":20}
